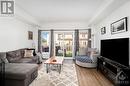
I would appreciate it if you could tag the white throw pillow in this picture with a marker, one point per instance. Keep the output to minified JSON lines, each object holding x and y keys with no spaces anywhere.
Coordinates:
{"x":28,"y":53}
{"x":94,"y":55}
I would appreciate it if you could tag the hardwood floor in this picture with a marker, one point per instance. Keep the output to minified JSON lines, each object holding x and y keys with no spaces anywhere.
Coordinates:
{"x":91,"y":77}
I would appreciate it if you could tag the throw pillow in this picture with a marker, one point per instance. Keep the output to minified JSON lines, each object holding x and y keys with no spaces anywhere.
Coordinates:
{"x":88,"y":53}
{"x":82,"y":51}
{"x":34,"y":53}
{"x":91,"y":51}
{"x":28,"y":53}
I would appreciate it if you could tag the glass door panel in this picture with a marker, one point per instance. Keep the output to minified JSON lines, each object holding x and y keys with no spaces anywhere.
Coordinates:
{"x":68,"y":42}
{"x":45,"y":43}
{"x":59,"y":44}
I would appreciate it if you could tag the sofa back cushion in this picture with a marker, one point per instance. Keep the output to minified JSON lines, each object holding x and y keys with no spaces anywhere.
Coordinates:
{"x":13,"y":55}
{"x":18,"y":54}
{"x":3,"y":57}
{"x":23,"y":51}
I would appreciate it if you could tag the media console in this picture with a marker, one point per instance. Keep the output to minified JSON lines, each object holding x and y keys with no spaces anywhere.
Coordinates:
{"x":117,"y":73}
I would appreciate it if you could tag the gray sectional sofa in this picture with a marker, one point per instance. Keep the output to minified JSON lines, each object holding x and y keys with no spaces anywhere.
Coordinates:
{"x":19,"y":71}
{"x":17,"y":56}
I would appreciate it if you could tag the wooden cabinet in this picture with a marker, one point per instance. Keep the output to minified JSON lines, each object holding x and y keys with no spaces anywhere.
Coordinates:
{"x":117,"y":73}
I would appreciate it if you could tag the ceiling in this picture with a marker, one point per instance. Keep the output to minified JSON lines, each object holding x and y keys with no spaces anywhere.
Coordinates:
{"x":65,"y":10}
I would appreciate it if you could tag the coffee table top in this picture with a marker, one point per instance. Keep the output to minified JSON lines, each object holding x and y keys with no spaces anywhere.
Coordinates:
{"x":54,"y":60}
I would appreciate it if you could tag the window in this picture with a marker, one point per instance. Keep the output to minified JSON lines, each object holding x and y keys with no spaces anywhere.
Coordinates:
{"x":45,"y":41}
{"x":83,"y":38}
{"x":84,"y":43}
{"x":83,"y":35}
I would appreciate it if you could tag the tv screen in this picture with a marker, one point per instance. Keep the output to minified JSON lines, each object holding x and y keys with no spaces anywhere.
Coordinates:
{"x":116,"y":50}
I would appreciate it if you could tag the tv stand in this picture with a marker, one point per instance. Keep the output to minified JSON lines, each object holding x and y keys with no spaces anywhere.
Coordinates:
{"x":117,"y":73}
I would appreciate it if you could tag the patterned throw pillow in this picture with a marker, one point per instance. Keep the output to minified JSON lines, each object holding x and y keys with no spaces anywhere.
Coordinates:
{"x":28,"y":53}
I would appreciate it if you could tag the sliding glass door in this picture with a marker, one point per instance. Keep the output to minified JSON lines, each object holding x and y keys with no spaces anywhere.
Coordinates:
{"x":59,"y":44}
{"x":63,"y":43}
{"x":68,"y":44}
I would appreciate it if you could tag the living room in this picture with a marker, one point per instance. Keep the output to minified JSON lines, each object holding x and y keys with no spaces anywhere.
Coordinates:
{"x":64,"y":31}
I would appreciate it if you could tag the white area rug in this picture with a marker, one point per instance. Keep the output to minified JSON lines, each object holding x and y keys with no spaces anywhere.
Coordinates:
{"x":67,"y":77}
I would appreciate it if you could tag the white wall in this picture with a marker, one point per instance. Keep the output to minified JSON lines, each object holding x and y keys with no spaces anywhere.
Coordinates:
{"x":14,"y":31}
{"x":121,"y":12}
{"x":65,"y":25}
{"x":14,"y":34}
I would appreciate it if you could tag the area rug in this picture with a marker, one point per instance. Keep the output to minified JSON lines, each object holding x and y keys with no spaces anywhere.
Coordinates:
{"x":67,"y":77}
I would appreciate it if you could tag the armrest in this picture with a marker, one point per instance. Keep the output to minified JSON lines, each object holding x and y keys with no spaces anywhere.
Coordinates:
{"x":39,"y":56}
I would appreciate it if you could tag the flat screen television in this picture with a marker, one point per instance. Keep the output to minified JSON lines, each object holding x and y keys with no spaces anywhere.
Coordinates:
{"x":116,"y":50}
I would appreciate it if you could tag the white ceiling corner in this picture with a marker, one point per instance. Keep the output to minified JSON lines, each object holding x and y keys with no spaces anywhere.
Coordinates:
{"x":105,"y":10}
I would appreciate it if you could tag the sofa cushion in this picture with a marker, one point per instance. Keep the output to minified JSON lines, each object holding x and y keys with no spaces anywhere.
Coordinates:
{"x":3,"y":57}
{"x":22,"y":52}
{"x":24,"y":60}
{"x":84,"y":59}
{"x":18,"y":54}
{"x":13,"y":55}
{"x":19,"y":71}
{"x":34,"y":59}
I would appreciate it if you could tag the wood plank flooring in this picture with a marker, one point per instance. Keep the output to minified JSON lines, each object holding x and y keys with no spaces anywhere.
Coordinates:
{"x":91,"y":77}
